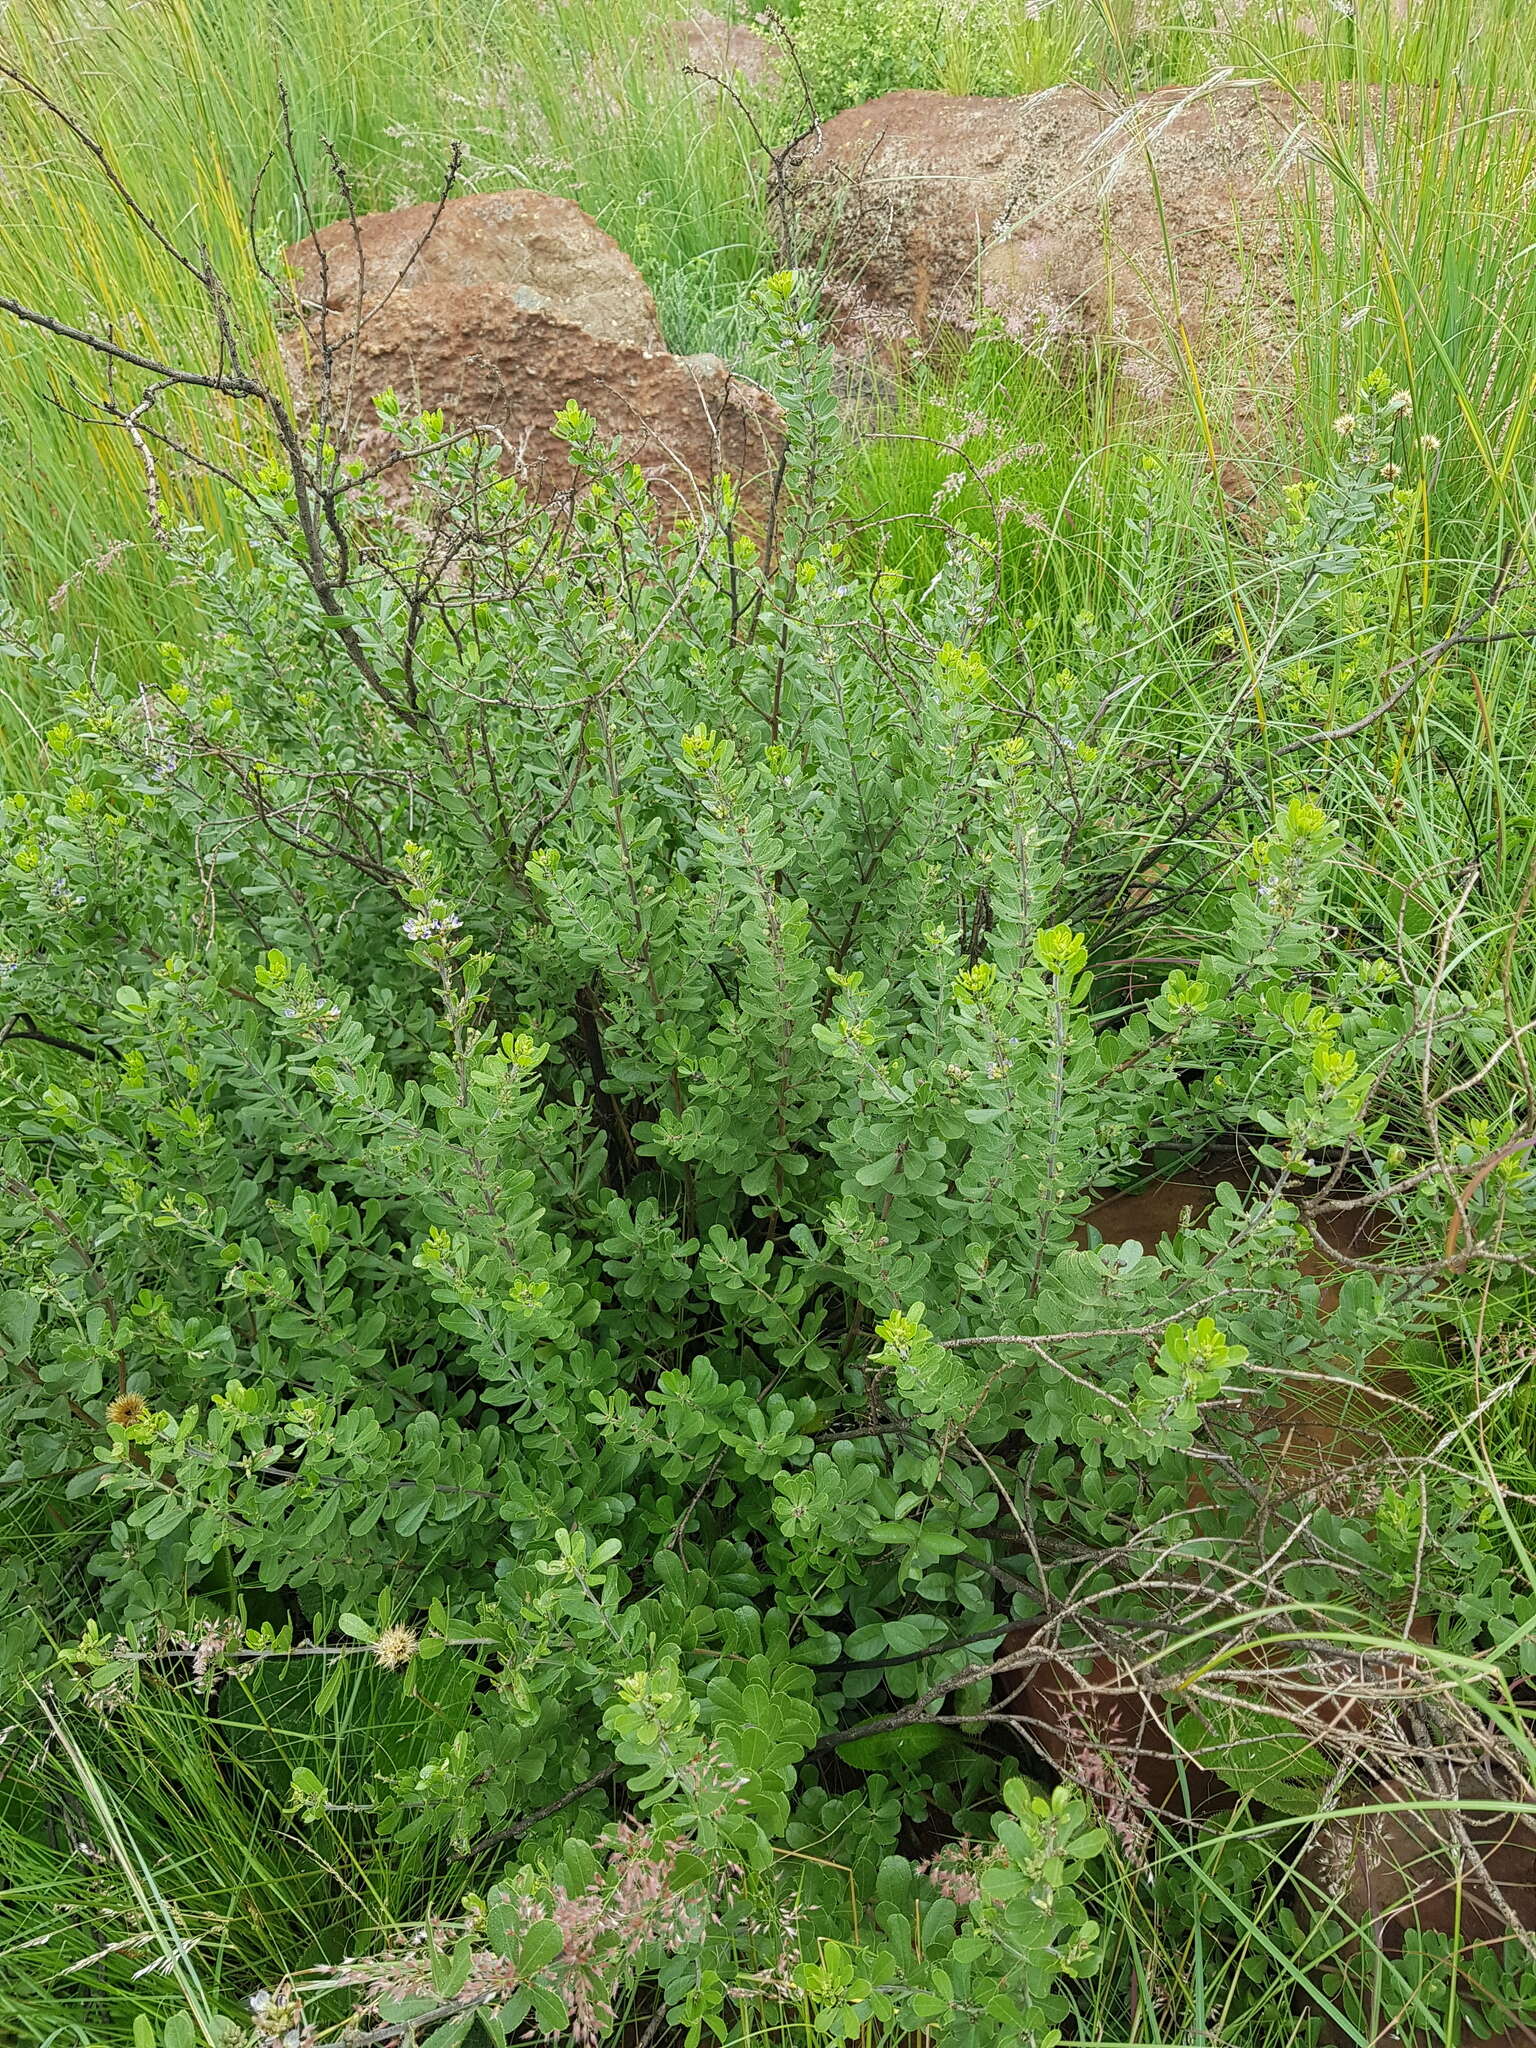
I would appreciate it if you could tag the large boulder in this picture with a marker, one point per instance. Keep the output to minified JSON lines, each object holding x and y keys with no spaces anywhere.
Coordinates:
{"x":497,"y":309}
{"x":545,"y":251}
{"x":1069,"y":218}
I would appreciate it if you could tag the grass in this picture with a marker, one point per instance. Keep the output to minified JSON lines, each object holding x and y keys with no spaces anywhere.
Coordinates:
{"x":163,"y":1843}
{"x":188,"y":99}
{"x":155,"y":1867}
{"x":1432,"y":275}
{"x":154,"y":1857}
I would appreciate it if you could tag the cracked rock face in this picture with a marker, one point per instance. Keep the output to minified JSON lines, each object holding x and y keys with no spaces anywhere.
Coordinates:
{"x":543,"y":251}
{"x":1067,"y":218}
{"x":498,"y":309}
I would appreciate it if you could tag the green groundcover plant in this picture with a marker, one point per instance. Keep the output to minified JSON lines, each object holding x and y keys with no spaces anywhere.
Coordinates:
{"x":553,"y":1075}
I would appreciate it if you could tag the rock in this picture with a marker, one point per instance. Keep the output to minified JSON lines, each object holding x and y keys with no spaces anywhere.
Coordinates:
{"x":1328,"y":1434}
{"x":1044,"y":211}
{"x":863,"y":390}
{"x":487,"y":361}
{"x":1106,"y":1723}
{"x":719,"y":50}
{"x":500,"y":311}
{"x":1109,"y":1726}
{"x":1396,"y":1874}
{"x":544,"y":251}
{"x":1396,"y":1870}
{"x":1104,"y":1729}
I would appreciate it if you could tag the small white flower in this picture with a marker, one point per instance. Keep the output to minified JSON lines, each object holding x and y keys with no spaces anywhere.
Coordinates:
{"x":394,"y":1647}
{"x":423,"y":926}
{"x":1345,"y":425}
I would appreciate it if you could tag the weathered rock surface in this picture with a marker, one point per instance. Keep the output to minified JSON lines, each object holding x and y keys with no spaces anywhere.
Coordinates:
{"x":549,"y":255}
{"x":1108,"y":1712}
{"x":1329,"y":1435}
{"x":499,"y":308}
{"x":1405,"y":1868}
{"x":1397,"y":1870}
{"x":1400,"y":1865}
{"x":719,"y":49}
{"x":1059,"y":213}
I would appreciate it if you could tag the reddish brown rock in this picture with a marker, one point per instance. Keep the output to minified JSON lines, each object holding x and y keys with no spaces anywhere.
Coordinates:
{"x":726,"y":51}
{"x":545,"y":252}
{"x":1103,"y":1727}
{"x":1110,"y":1727}
{"x":1402,"y":1867}
{"x":1395,"y":1868}
{"x":1325,"y":1431}
{"x":498,"y":313}
{"x":1397,"y":1871}
{"x":1051,"y":213}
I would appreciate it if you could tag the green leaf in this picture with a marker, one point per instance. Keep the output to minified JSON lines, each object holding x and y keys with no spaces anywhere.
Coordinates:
{"x":18,"y":1319}
{"x":549,"y":2009}
{"x":408,"y":2008}
{"x":450,"y":1971}
{"x":895,"y":1749}
{"x":539,"y":1947}
{"x":411,"y":1520}
{"x":1257,"y":1755}
{"x":511,"y":2014}
{"x":330,"y":1691}
{"x":451,"y":2032}
{"x":496,"y":2024}
{"x":908,"y":1632}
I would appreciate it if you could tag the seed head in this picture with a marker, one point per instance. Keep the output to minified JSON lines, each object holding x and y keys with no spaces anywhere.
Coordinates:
{"x":128,"y":1410}
{"x":393,"y":1648}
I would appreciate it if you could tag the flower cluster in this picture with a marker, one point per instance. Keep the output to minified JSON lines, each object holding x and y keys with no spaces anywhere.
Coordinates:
{"x":647,"y":1900}
{"x":956,"y":1871}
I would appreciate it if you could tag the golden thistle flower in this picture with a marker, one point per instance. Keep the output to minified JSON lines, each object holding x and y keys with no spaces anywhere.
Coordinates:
{"x":128,"y":1410}
{"x":393,"y":1648}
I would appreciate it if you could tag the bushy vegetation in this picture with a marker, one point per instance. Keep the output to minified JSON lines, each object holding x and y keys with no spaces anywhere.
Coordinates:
{"x":852,"y":50}
{"x":560,"y":1370}
{"x":243,"y":126}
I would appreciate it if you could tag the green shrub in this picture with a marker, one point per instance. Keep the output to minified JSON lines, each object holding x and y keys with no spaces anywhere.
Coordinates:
{"x":853,"y":52}
{"x":552,"y":1080}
